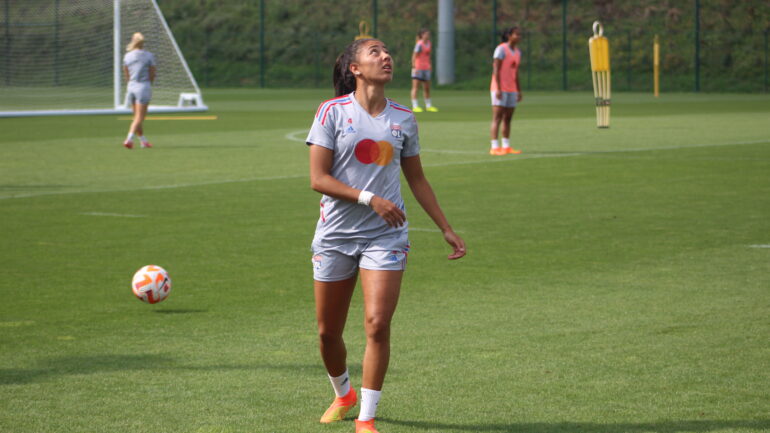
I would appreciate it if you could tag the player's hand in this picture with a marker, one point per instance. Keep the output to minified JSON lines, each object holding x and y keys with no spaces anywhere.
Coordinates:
{"x":456,"y":242}
{"x":519,"y":97}
{"x":388,"y":211}
{"x":499,"y":95}
{"x":414,"y":71}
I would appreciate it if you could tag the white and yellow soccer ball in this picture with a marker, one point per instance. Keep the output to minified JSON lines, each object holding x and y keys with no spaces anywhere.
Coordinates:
{"x":151,"y":284}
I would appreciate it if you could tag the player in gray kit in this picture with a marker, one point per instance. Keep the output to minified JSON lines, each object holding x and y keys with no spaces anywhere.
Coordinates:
{"x":139,"y":67}
{"x":360,"y":143}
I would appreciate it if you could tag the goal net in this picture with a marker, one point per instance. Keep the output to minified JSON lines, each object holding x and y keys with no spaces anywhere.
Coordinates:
{"x":66,"y":57}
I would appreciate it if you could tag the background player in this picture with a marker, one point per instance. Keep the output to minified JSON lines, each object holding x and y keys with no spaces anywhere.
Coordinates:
{"x":505,"y":90}
{"x":421,"y":71}
{"x":360,"y":142}
{"x":139,"y":67}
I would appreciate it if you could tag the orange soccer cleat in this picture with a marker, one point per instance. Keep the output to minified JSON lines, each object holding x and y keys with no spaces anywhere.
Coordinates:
{"x":365,"y":426}
{"x":340,"y":407}
{"x":510,"y":150}
{"x":497,"y":151}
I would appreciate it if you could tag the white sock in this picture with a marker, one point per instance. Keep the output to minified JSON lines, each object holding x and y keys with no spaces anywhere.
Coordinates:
{"x":427,"y":103}
{"x":369,"y":401}
{"x":142,"y":139}
{"x":506,"y":143}
{"x":415,"y":104}
{"x":495,"y":144}
{"x":130,"y":136}
{"x":341,"y":384}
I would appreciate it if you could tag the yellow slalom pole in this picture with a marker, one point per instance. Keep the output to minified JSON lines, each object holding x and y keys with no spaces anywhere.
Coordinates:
{"x":599,"y":50}
{"x":656,"y":66}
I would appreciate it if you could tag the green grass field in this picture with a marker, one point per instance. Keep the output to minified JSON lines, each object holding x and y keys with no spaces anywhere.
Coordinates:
{"x":617,"y":280}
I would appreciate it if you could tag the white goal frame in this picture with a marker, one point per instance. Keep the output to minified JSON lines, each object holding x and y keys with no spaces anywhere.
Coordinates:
{"x":187,"y":101}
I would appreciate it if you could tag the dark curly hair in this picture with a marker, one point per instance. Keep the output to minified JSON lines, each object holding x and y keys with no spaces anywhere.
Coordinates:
{"x":506,"y":34}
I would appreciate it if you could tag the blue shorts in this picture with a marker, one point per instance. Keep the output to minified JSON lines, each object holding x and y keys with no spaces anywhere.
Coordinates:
{"x":341,"y":262}
{"x":507,"y":99}
{"x":421,"y":74}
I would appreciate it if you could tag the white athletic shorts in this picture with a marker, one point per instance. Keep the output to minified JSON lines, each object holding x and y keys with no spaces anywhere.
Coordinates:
{"x":138,"y":93}
{"x":421,"y":74}
{"x":342,"y":261}
{"x":507,"y":99}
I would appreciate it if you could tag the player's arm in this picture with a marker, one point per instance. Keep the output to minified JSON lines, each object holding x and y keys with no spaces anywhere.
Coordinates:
{"x":127,"y":74}
{"x":496,"y":67}
{"x":322,"y":181}
{"x":414,"y":58}
{"x":519,"y":97}
{"x":423,"y":192}
{"x":152,"y":74}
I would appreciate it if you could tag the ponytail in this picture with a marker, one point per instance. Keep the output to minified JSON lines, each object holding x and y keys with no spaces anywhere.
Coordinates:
{"x":137,"y":42}
{"x":343,"y":80}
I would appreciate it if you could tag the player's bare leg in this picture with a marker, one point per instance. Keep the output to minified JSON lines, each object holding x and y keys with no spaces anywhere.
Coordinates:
{"x":498,"y":113}
{"x":332,"y":301}
{"x":507,"y":117}
{"x":332,"y":304}
{"x":381,"y":291}
{"x":415,"y":90}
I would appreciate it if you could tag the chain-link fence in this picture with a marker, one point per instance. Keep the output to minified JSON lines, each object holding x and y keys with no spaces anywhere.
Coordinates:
{"x":706,"y":45}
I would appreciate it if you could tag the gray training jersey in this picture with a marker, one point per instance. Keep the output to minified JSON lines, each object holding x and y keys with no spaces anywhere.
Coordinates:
{"x":367,"y":155}
{"x":138,"y":63}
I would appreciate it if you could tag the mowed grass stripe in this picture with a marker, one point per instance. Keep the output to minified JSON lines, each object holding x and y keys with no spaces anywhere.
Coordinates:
{"x":505,"y":159}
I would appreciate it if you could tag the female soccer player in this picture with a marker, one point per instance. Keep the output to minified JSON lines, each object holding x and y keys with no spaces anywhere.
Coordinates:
{"x":421,"y":71}
{"x":505,"y":89}
{"x":359,"y":142}
{"x":139,"y":67}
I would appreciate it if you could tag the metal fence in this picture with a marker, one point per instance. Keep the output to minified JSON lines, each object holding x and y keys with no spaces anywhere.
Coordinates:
{"x":706,"y":45}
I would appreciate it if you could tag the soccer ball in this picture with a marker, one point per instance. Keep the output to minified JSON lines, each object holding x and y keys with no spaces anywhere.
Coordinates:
{"x":151,"y":284}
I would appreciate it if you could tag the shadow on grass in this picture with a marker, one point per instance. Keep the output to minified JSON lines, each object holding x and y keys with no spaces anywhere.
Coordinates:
{"x":180,"y":311}
{"x":587,"y":427}
{"x":85,"y":365}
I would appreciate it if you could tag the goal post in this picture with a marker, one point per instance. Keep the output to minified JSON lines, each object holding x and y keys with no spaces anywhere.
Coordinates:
{"x":60,"y":57}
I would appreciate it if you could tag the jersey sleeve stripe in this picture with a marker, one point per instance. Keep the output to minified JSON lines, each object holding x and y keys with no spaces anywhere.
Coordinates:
{"x":324,"y":105}
{"x":326,"y":111}
{"x":399,"y":106}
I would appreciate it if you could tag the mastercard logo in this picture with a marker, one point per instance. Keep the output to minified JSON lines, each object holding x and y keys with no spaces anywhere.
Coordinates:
{"x":374,"y":152}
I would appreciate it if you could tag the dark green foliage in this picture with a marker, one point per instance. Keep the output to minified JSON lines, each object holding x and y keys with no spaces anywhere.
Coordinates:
{"x":302,"y":39}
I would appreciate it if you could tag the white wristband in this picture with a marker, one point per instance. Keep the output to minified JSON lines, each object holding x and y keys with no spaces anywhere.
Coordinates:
{"x":365,"y":198}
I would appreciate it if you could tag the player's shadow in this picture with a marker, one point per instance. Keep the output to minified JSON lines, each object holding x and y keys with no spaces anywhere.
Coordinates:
{"x":682,"y":426}
{"x":84,"y":365}
{"x":179,"y":311}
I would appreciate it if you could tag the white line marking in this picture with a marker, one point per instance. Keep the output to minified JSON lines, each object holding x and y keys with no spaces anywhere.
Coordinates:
{"x":107,"y":214}
{"x":760,"y":246}
{"x":485,"y":160}
{"x":292,"y":136}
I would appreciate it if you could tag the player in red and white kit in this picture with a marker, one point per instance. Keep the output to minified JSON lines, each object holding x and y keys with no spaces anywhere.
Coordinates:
{"x":421,"y":71}
{"x":505,"y":90}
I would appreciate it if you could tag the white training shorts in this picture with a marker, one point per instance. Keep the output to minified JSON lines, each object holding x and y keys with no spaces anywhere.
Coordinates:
{"x":138,"y":93}
{"x":507,"y":99}
{"x":341,"y":262}
{"x":421,"y":74}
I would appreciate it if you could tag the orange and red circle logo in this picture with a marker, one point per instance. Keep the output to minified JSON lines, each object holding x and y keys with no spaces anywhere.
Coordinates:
{"x":374,"y":152}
